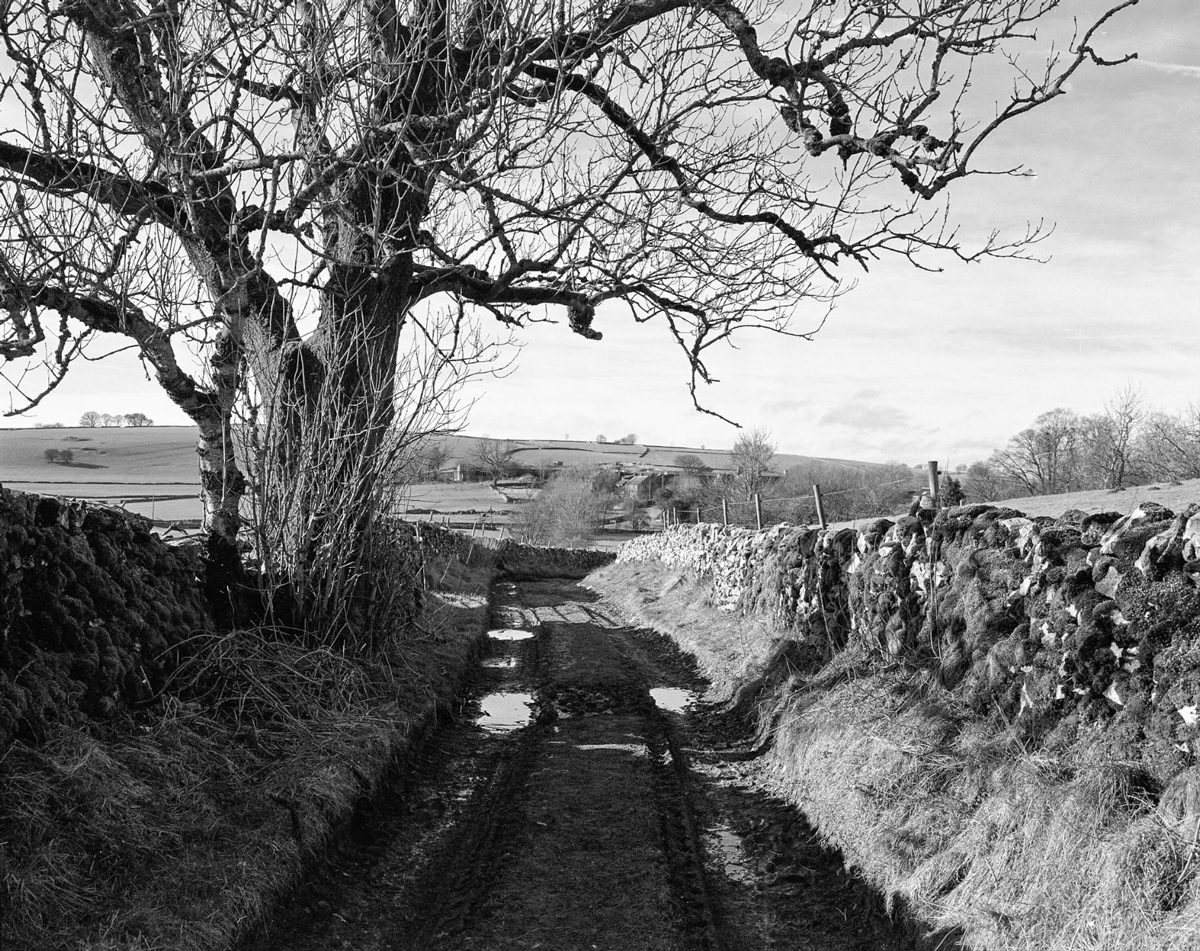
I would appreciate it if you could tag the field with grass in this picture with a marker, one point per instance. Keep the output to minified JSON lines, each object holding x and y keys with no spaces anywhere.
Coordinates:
{"x":580,"y":452}
{"x":150,"y":470}
{"x":1174,"y":495}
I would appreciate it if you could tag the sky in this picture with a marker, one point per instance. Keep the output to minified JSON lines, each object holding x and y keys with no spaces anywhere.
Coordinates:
{"x":911,"y":365}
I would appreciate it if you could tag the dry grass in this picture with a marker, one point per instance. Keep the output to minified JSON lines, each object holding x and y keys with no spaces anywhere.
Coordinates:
{"x":1017,"y":848}
{"x":729,"y":648}
{"x":1009,"y":846}
{"x":177,"y":826}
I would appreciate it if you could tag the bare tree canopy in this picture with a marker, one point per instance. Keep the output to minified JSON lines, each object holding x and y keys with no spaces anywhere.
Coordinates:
{"x":494,"y":457}
{"x":751,"y":457}
{"x":288,"y":186}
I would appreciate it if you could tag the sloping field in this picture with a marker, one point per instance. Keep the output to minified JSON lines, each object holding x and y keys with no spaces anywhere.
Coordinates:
{"x":167,"y":454}
{"x":453,"y":497}
{"x":121,"y":456}
{"x":572,"y":452}
{"x":151,"y":470}
{"x":1174,"y":495}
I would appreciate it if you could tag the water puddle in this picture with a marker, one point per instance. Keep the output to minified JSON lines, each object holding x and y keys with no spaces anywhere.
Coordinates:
{"x":510,"y":634}
{"x":725,"y":846}
{"x":673,"y":699}
{"x":503,"y":712}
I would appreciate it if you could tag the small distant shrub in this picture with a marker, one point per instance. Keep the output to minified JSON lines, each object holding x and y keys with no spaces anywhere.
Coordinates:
{"x":951,"y":492}
{"x":59,"y":457}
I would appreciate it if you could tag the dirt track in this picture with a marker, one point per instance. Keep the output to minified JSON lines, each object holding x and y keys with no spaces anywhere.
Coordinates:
{"x":564,"y":808}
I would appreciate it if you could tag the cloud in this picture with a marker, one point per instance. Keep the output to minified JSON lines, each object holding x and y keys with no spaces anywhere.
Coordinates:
{"x":782,"y":407}
{"x":864,"y":412}
{"x":1175,"y":69}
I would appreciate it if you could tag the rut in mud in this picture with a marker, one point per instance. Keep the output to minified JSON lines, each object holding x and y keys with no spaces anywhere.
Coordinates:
{"x":580,"y":799}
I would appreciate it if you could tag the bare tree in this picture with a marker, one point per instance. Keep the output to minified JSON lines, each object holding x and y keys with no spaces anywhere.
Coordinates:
{"x":138,"y":420}
{"x":1045,"y":458}
{"x":567,"y":511}
{"x":751,"y":457}
{"x":984,"y":484}
{"x":694,"y":468}
{"x":494,"y":457}
{"x":1171,"y":444}
{"x":89,"y":419}
{"x":431,"y":459}
{"x":110,"y":420}
{"x":1109,"y":452}
{"x":326,"y":173}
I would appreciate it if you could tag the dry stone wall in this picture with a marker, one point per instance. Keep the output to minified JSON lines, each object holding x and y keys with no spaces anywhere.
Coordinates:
{"x":96,"y":611}
{"x":1087,"y":617}
{"x":91,"y":605}
{"x":532,"y":561}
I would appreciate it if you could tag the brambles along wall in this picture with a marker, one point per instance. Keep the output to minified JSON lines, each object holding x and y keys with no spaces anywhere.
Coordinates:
{"x":1083,"y":618}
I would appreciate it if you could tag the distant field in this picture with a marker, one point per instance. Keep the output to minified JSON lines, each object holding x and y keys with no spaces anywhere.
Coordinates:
{"x":152,"y":471}
{"x":141,"y":456}
{"x":113,"y":465}
{"x":1175,"y":496}
{"x":572,"y":452}
{"x":453,"y":497}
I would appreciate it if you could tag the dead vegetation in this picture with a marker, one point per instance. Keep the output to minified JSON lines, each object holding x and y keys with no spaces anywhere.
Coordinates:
{"x":177,"y":824}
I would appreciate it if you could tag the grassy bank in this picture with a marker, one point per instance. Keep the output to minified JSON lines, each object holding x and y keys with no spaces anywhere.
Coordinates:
{"x":1001,"y":837}
{"x":177,"y":824}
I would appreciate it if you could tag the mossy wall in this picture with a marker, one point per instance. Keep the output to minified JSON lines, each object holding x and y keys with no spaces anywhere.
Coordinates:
{"x":92,"y":608}
{"x":532,"y":561}
{"x":96,"y":611}
{"x":1054,"y":623}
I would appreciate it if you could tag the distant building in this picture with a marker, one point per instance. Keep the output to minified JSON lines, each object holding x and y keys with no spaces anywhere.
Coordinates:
{"x":641,"y":488}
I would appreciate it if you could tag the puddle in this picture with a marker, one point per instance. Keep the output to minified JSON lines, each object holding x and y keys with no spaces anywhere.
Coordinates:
{"x":507,"y":662}
{"x":673,"y":699}
{"x":502,"y":712}
{"x":725,"y":846}
{"x":510,"y":634}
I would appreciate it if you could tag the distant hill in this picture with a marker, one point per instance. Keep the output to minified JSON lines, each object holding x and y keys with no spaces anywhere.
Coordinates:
{"x":161,"y":460}
{"x":571,"y":452}
{"x":139,"y":455}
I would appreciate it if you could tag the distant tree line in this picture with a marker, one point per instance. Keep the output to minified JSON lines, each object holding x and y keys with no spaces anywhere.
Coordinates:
{"x":92,"y":419}
{"x":848,"y":492}
{"x":1125,"y":444}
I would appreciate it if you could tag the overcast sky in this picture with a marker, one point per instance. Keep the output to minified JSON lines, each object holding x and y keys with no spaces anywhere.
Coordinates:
{"x":912,"y":365}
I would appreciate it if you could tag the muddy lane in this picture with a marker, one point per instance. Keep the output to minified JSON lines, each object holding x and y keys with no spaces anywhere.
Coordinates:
{"x":580,"y":799}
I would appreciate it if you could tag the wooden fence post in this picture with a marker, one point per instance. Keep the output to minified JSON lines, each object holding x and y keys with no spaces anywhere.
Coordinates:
{"x":933,"y":484}
{"x":758,"y":510}
{"x":820,"y":506}
{"x":724,"y":512}
{"x":697,"y":514}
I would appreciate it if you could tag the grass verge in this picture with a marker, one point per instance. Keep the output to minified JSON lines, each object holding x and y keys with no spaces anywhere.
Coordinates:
{"x":980,"y":833}
{"x":178,"y":825}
